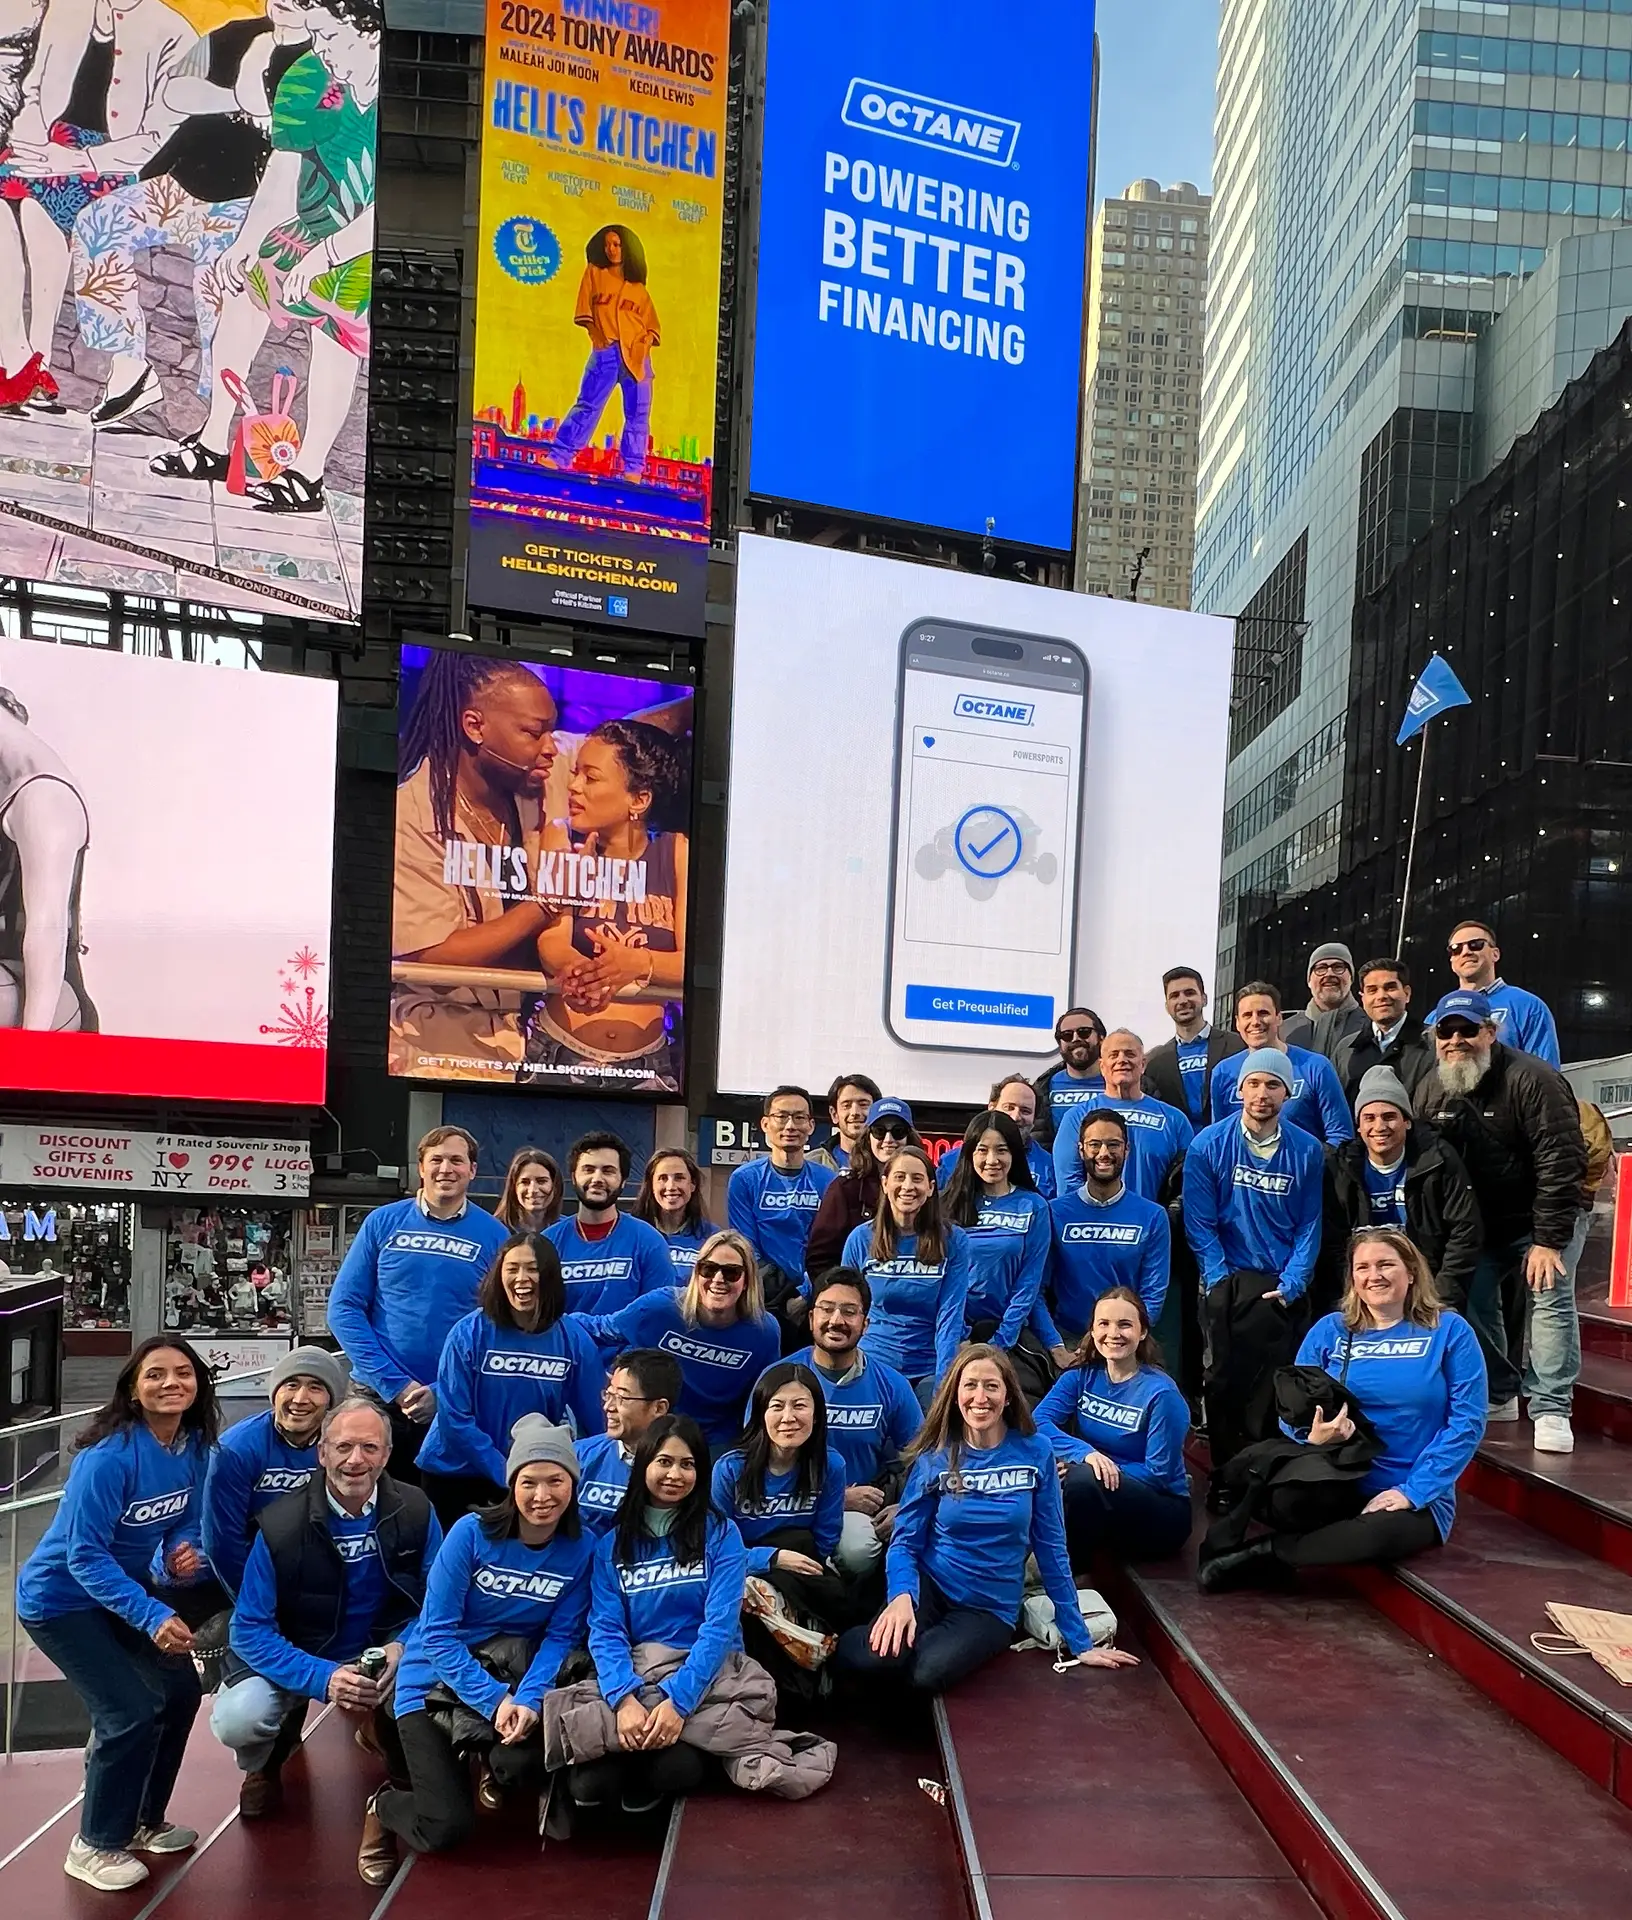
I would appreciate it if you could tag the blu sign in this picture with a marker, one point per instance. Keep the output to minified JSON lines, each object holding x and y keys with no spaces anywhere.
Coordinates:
{"x":922,"y":232}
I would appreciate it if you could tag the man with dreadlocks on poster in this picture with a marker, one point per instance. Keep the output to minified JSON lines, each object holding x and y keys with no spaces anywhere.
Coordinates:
{"x":474,"y":810}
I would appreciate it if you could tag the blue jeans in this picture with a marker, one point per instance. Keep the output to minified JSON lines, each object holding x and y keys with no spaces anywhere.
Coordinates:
{"x":142,"y":1704}
{"x":248,"y":1717}
{"x":1135,"y":1521}
{"x":603,"y":371}
{"x":1500,"y":1303}
{"x":952,"y":1642}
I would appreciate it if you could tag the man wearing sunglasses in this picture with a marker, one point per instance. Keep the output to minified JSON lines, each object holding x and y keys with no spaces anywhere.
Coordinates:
{"x":1523,"y":1021}
{"x":1078,"y":1033}
{"x":1515,"y":1122}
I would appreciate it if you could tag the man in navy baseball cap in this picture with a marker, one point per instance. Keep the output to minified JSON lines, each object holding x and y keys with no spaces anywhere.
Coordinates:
{"x":1467,"y":1005}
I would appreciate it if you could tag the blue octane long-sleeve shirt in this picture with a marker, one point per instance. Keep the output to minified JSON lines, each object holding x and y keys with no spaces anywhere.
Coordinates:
{"x":1318,"y":1104}
{"x":1247,"y":1215}
{"x":1008,"y":1255}
{"x":603,"y":1275}
{"x":491,"y":1375}
{"x":871,"y":1414}
{"x":127,"y":1502}
{"x":1124,"y":1242}
{"x":696,"y":1609}
{"x":604,"y":1475}
{"x":1525,"y":1021}
{"x":405,"y":1280}
{"x":1140,"y":1423}
{"x":718,"y":1365}
{"x":972,"y":1538}
{"x":1157,"y":1135}
{"x":916,"y":1325}
{"x":1066,"y":1091}
{"x":684,"y":1247}
{"x":1424,"y":1390}
{"x":252,"y":1467}
{"x":774,"y":1211}
{"x":822,"y":1512}
{"x":480,"y":1588}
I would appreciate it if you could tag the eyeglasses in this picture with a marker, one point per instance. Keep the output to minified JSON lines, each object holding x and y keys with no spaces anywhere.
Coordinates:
{"x":1077,"y":1033}
{"x":1467,"y":946}
{"x":889,"y":1130}
{"x":788,"y":1119}
{"x":719,"y":1269}
{"x":1455,"y":1030}
{"x":1334,"y":966}
{"x":611,"y":1397}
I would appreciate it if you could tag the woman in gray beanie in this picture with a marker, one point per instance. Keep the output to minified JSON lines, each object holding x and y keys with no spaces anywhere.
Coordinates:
{"x":519,"y":1570}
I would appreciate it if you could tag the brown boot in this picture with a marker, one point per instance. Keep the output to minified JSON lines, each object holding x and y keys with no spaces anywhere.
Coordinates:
{"x":260,"y":1794}
{"x":377,"y":1853}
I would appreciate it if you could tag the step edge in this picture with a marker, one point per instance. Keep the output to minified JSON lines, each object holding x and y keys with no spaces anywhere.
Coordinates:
{"x":1498,"y":1463}
{"x":963,"y":1828}
{"x":1344,"y":1859}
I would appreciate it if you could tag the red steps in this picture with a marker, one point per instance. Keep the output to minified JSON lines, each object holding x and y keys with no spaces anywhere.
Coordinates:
{"x":1583,"y":1498}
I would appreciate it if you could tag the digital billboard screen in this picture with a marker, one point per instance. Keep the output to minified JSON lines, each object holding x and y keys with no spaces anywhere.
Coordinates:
{"x":166,"y":852}
{"x":186,"y":269}
{"x":597,"y":310}
{"x":922,"y":246}
{"x":994,"y":783}
{"x":542,"y":854}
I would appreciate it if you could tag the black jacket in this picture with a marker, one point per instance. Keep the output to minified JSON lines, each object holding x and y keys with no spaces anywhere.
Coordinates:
{"x":1519,"y":1135}
{"x":1164,"y":1081}
{"x":1441,"y":1213}
{"x":1042,"y":1128}
{"x":1411,"y":1055}
{"x":312,"y":1577}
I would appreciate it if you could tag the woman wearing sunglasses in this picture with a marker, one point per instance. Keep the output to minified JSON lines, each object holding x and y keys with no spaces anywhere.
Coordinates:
{"x":853,"y":1197}
{"x":917,"y":1265}
{"x":715,"y":1325}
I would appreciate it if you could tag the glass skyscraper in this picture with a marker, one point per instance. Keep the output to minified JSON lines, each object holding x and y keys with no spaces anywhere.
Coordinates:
{"x":1387,"y":175}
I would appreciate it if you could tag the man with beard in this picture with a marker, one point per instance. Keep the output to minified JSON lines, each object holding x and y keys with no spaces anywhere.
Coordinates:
{"x":1515,"y":1122}
{"x":1333,"y":1013}
{"x":1078,"y":1033}
{"x":608,"y":1257}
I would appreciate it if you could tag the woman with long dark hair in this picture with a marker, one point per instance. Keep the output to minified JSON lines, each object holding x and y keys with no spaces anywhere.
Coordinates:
{"x":616,"y":311}
{"x":134,"y":1499}
{"x":671,"y":1199}
{"x":917,"y":1265}
{"x":519,"y":1570}
{"x":530,"y":1199}
{"x":1117,"y":1423}
{"x":993,"y":1197}
{"x":854,"y":1196}
{"x":520,"y":1352}
{"x":982,"y":1495}
{"x":671,"y":1572}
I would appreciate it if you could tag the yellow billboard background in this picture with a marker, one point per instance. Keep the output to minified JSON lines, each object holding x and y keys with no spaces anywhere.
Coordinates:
{"x":588,"y":125}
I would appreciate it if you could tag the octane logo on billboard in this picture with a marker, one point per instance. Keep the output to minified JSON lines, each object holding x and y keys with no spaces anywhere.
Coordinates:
{"x":901,"y":115}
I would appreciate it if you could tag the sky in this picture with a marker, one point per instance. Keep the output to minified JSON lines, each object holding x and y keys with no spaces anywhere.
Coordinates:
{"x":1157,"y":59}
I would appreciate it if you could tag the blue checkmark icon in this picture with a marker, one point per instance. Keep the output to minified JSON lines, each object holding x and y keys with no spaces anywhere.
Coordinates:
{"x":988,"y":842}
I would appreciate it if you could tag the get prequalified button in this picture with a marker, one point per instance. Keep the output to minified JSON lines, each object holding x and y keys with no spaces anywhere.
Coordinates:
{"x":974,"y":1006}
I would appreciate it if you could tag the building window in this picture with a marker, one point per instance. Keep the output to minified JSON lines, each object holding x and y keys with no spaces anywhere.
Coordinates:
{"x":1268,"y":669}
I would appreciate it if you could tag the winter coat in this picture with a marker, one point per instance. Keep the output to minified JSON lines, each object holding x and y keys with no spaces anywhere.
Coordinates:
{"x":1411,"y":1055}
{"x":1442,"y":1215}
{"x":1519,"y":1135}
{"x":1323,"y":1032}
{"x":736,"y":1720}
{"x":848,"y":1201}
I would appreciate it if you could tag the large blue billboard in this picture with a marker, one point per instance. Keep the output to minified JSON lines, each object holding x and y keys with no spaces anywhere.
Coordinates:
{"x":922,"y":236}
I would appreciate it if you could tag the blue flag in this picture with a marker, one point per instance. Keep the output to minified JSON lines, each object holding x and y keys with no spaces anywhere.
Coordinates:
{"x":1436,"y":692}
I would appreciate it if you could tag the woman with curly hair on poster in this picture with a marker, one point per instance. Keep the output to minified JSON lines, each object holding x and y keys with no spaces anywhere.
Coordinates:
{"x":616,"y":310}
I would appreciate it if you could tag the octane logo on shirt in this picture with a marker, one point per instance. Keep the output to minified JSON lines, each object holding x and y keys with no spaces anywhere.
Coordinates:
{"x":531,"y":1366}
{"x":1262,"y":1182}
{"x":578,"y":1273}
{"x":418,"y":1241}
{"x":688,"y":1347}
{"x":855,"y":1419}
{"x":1102,"y":1234}
{"x":507,"y":1585}
{"x":1003,"y":1222}
{"x":908,"y":1269}
{"x":1109,"y":1413}
{"x":661,"y":1573}
{"x":602,"y":1495}
{"x":1407,"y":1347}
{"x":284,"y":1479}
{"x":777,"y":1506}
{"x":357,"y":1546}
{"x":793,"y":1200}
{"x":990,"y":1480}
{"x":156,"y":1509}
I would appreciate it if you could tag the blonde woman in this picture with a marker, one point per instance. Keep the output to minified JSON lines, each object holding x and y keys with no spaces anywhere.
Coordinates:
{"x":715,"y":1325}
{"x":1414,"y":1368}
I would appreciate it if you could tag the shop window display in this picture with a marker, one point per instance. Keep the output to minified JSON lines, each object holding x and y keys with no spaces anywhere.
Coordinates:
{"x":88,"y":1245}
{"x":227,"y":1271}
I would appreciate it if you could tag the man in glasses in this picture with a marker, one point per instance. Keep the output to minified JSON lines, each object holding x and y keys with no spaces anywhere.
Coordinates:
{"x":772,"y":1202}
{"x":1333,"y":1013}
{"x":644,"y":1384}
{"x":1515,"y":1122}
{"x":1523,"y":1021}
{"x":1180,"y":1070}
{"x":1078,"y":1033}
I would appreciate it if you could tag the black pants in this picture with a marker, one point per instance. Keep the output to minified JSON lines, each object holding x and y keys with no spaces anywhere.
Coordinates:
{"x":453,"y":1495}
{"x":951,"y":1643}
{"x":668,"y":1773}
{"x":1134,"y":1521}
{"x":437,"y":1810}
{"x":1242,"y":1357}
{"x":407,"y":1437}
{"x":1366,"y":1540}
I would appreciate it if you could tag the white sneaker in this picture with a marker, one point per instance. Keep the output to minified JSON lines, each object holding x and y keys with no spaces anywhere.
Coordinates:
{"x":165,"y":1839}
{"x":1500,"y":1412}
{"x":111,"y":1869}
{"x":1554,"y":1434}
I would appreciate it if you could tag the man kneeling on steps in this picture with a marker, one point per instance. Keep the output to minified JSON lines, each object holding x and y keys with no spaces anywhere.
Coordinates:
{"x":336,"y":1573}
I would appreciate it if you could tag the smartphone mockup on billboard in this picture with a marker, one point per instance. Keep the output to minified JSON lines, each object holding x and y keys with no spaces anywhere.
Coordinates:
{"x":988,"y":793}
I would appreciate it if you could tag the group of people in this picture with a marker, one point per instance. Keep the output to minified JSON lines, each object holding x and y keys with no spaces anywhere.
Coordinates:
{"x":589,"y":1495}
